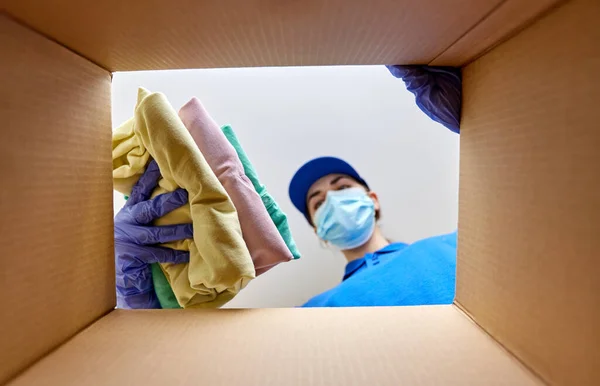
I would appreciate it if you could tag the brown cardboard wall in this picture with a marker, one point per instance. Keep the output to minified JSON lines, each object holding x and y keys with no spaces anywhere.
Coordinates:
{"x":355,"y":346}
{"x":126,"y":35}
{"x":529,"y":245}
{"x":55,"y":218}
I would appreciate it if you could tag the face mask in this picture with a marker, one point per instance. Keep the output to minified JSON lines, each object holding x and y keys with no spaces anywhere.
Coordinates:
{"x":346,"y":219}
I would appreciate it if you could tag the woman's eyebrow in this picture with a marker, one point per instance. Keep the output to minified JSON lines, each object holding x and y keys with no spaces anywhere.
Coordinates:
{"x":313,"y":195}
{"x":336,"y":179}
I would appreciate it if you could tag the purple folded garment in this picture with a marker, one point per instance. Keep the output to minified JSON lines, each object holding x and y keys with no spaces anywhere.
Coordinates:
{"x":267,"y":247}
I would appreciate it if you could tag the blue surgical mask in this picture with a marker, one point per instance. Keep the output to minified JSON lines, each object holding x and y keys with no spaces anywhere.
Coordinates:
{"x":346,"y":219}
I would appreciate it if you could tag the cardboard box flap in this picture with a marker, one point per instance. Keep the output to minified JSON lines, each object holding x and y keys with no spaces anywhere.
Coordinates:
{"x":152,"y":35}
{"x":355,"y":346}
{"x":55,"y":219}
{"x":529,"y":245}
{"x":509,"y":17}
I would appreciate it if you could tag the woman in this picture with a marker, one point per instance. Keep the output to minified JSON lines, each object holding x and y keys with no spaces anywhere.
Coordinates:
{"x":343,"y":211}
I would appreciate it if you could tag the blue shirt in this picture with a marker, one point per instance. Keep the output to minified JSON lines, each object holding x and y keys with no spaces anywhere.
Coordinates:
{"x":398,"y":275}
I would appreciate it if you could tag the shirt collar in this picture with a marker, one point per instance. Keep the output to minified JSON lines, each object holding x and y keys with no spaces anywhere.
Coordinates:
{"x":352,"y":267}
{"x":355,"y":265}
{"x":391,"y":248}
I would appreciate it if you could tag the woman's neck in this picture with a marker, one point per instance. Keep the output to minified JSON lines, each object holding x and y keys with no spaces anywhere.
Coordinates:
{"x":375,"y":243}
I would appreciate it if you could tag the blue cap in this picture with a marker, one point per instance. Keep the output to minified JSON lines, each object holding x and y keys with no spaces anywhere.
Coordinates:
{"x":312,"y":171}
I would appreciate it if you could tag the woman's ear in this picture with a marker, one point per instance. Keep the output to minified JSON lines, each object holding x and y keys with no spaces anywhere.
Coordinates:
{"x":375,"y":199}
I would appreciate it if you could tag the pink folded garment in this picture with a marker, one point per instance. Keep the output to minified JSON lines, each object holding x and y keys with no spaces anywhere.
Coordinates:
{"x":262,"y":238}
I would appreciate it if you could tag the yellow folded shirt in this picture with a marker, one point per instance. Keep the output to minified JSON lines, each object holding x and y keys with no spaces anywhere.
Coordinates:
{"x":220,"y":264}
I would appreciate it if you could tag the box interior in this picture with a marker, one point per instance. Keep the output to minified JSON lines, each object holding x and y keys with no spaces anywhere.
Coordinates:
{"x":529,"y":195}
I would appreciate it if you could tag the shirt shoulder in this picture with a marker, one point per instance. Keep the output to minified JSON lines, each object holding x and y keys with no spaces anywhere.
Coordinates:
{"x":417,"y":274}
{"x":322,"y":300}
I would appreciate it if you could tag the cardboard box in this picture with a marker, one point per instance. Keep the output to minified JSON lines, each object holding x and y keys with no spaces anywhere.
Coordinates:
{"x":527,"y":309}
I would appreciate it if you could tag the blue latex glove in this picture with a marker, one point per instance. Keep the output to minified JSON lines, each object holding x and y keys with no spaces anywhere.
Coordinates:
{"x":134,"y":239}
{"x":437,"y":90}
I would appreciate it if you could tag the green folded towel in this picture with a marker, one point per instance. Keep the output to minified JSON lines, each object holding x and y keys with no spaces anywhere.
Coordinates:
{"x":277,"y":215}
{"x":163,"y":289}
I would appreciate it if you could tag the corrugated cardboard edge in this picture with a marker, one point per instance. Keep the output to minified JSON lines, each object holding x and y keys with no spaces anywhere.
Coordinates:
{"x":467,"y":315}
{"x":24,"y":24}
{"x":57,"y":249}
{"x":18,"y":373}
{"x":499,"y":25}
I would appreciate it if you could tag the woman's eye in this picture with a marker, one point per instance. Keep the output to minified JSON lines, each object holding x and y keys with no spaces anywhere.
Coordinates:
{"x":342,"y":187}
{"x":318,"y":204}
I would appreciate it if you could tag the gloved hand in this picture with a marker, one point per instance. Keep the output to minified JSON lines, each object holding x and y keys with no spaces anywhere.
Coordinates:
{"x":437,"y":90}
{"x":134,"y":239}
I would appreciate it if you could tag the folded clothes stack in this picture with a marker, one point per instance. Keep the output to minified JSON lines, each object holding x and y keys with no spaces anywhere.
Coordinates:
{"x":239,"y":230}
